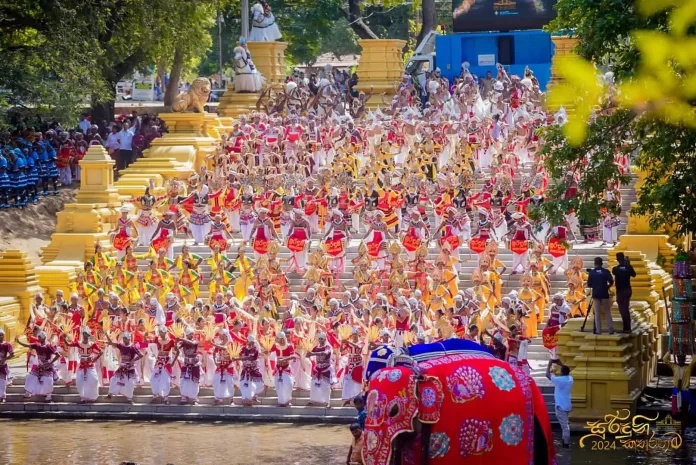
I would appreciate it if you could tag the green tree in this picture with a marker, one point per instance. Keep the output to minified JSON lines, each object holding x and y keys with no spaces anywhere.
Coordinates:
{"x":664,"y":148}
{"x":46,"y":49}
{"x":60,"y":53}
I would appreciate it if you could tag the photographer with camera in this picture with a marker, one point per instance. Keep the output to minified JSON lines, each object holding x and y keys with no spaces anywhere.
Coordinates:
{"x":623,"y":272}
{"x":600,"y":280}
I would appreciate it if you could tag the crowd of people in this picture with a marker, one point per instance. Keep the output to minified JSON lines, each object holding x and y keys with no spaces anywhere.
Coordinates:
{"x":36,"y":163}
{"x":291,"y":196}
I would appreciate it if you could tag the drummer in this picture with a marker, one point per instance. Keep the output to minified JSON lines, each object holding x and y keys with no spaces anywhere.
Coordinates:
{"x":262,"y":232}
{"x":299,"y":239}
{"x":416,"y":233}
{"x":335,"y":239}
{"x":521,"y":233}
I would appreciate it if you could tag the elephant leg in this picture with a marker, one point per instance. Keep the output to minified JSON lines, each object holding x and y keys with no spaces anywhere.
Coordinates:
{"x":425,"y":443}
{"x":541,"y":447}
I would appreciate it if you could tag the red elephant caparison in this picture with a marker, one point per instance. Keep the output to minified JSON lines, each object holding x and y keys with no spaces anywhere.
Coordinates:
{"x":465,"y":408}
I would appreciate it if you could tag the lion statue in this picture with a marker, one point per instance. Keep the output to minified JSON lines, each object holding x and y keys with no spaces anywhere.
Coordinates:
{"x":195,"y":97}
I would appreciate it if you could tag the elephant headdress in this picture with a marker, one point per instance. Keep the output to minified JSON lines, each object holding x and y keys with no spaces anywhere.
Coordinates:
{"x":463,"y":408}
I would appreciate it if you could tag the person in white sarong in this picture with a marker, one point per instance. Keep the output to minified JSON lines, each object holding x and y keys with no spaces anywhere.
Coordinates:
{"x":39,"y":381}
{"x":263,"y":25}
{"x":87,"y":378}
{"x":322,"y":375}
{"x":6,"y":353}
{"x":353,"y":373}
{"x":199,"y":219}
{"x":161,"y":379}
{"x":225,"y":376}
{"x":191,"y":368}
{"x":251,"y":380}
{"x":282,"y":376}
{"x":246,"y":77}
{"x":125,"y":378}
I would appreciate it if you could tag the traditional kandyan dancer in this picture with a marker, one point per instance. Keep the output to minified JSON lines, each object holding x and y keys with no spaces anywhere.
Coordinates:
{"x":251,"y":379}
{"x":353,"y":374}
{"x":199,"y":219}
{"x":161,"y":379}
{"x":323,"y":376}
{"x":299,"y":239}
{"x":282,"y":375}
{"x":87,"y":377}
{"x":6,"y":353}
{"x":191,"y":368}
{"x":39,"y":381}
{"x":125,"y":378}
{"x":225,"y":377}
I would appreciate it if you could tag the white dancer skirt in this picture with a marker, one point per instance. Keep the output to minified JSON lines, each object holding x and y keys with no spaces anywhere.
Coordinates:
{"x":321,"y":391}
{"x":351,"y":389}
{"x":301,"y":372}
{"x":122,"y":385}
{"x":87,"y":381}
{"x":200,"y":231}
{"x":223,"y":385}
{"x":250,"y":389}
{"x":39,"y":386}
{"x":189,"y":389}
{"x":283,"y":386}
{"x":160,"y":382}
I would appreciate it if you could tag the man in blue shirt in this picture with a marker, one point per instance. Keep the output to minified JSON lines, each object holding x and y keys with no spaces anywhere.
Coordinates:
{"x":563,"y":385}
{"x":600,"y":280}
{"x":359,"y":404}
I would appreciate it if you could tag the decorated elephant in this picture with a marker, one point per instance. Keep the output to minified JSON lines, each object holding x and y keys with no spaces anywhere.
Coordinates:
{"x":459,"y":408}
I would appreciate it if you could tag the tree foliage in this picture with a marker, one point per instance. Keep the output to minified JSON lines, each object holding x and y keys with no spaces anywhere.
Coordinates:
{"x":650,"y":48}
{"x":58,"y":53}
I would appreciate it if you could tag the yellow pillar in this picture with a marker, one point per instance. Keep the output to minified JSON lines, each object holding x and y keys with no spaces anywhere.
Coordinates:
{"x":269,"y":59}
{"x":380,"y":67}
{"x":18,"y":286}
{"x":564,"y":45}
{"x":233,"y":104}
{"x":605,"y":370}
{"x":95,"y":211}
{"x":640,"y":236}
{"x":192,"y":137}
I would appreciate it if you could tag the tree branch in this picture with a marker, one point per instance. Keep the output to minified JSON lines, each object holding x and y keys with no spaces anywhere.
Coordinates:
{"x":356,"y":21}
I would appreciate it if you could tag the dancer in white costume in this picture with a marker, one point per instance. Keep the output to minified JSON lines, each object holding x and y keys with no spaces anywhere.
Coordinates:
{"x":200,"y":220}
{"x":285,"y":357}
{"x":191,"y":368}
{"x":225,"y":376}
{"x":146,"y":223}
{"x":263,"y":25}
{"x":251,"y":380}
{"x":87,"y":378}
{"x":125,"y":378}
{"x":352,"y":377}
{"x":247,"y":215}
{"x":6,"y":353}
{"x":299,"y":239}
{"x":39,"y":381}
{"x":161,"y":379}
{"x":246,"y":77}
{"x":323,"y":376}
